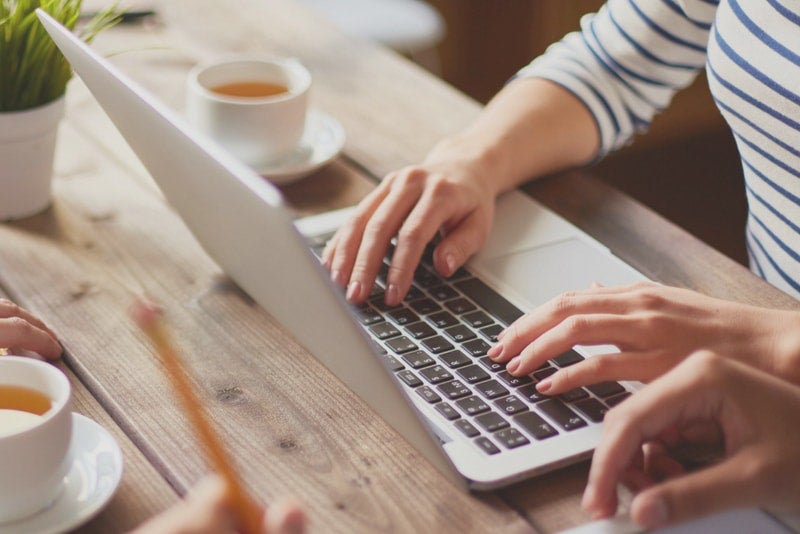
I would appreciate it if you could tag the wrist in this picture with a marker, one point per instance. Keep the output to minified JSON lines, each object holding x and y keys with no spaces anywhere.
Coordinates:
{"x":483,"y":160}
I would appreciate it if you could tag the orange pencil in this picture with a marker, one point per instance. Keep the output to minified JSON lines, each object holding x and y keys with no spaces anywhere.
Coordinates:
{"x":248,"y":513}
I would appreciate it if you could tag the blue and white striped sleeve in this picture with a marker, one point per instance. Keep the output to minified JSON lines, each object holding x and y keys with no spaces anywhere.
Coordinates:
{"x":628,"y":60}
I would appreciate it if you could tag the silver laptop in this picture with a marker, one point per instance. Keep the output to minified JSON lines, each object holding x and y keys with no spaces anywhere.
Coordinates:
{"x":421,"y":366}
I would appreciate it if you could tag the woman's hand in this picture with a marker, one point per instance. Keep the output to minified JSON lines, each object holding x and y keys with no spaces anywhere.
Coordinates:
{"x":206,"y":510}
{"x":450,"y":194}
{"x":20,"y":330}
{"x":655,"y":327}
{"x":753,"y":416}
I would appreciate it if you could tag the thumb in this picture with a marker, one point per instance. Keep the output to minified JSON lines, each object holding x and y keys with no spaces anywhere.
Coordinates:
{"x":286,"y":517}
{"x":461,"y":242}
{"x":728,"y":484}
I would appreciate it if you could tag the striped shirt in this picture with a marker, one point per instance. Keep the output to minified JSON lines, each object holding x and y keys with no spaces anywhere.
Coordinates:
{"x":632,"y":56}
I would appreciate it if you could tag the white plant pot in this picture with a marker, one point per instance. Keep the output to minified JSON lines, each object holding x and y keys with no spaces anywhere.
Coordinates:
{"x":27,"y":147}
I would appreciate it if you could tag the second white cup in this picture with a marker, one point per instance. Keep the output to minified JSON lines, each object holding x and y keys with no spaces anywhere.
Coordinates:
{"x":253,"y":107}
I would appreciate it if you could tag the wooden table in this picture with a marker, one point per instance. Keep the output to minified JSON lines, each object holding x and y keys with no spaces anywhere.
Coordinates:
{"x":291,"y":426}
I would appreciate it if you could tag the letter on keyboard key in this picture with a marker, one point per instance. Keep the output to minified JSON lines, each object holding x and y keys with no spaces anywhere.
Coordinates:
{"x":511,"y":438}
{"x":535,"y":425}
{"x":486,"y":445}
{"x":558,"y":412}
{"x":467,"y":428}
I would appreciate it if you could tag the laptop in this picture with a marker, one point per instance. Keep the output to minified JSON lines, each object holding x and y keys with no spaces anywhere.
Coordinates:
{"x":422,"y":366}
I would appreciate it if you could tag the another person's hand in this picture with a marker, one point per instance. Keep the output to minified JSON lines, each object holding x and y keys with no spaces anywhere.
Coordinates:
{"x":206,"y":510}
{"x":450,"y":194}
{"x":20,"y":330}
{"x":752,"y":416}
{"x":655,"y":327}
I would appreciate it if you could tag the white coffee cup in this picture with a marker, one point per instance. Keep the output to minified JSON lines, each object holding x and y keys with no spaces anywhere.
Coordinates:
{"x":33,"y":448}
{"x":261,"y":131}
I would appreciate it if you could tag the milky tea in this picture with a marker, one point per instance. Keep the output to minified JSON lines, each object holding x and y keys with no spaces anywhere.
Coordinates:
{"x":21,"y":408}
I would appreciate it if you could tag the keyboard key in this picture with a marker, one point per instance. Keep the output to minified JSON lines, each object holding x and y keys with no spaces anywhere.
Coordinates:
{"x":437,"y":344}
{"x":511,"y":438}
{"x":401,"y":344}
{"x":510,"y":405}
{"x":473,"y":374}
{"x":393,"y":363}
{"x":455,"y":358}
{"x":568,"y":358}
{"x":409,"y":378}
{"x":418,"y":359}
{"x":447,"y":411}
{"x":377,"y":347}
{"x":443,"y":292}
{"x":367,"y":315}
{"x":531,"y":394}
{"x":460,"y":333}
{"x":561,"y":414}
{"x":424,"y":306}
{"x":574,"y":395}
{"x":592,"y":408}
{"x":384,"y":330}
{"x":414,"y":293}
{"x":486,"y":445}
{"x":514,"y":381}
{"x":380,"y":304}
{"x":426,"y":278}
{"x":491,"y":389}
{"x":472,"y":405}
{"x":489,"y":300}
{"x":535,"y":425}
{"x":442,"y":319}
{"x":606,"y":389}
{"x":491,"y":332}
{"x":459,"y":306}
{"x":419,"y":330}
{"x":467,"y":428}
{"x":454,"y":390}
{"x":544,"y":373}
{"x":476,"y":347}
{"x":616,"y":399}
{"x":436,"y":374}
{"x":403,"y":316}
{"x":492,"y":365}
{"x":428,"y":394}
{"x":460,"y":273}
{"x":477,"y":319}
{"x":492,"y":422}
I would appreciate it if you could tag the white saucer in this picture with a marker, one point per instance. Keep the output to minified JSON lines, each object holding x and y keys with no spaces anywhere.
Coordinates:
{"x":322,"y":141}
{"x":90,"y":483}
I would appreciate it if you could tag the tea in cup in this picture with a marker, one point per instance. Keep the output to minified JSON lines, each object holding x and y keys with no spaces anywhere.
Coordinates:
{"x":253,"y":107}
{"x":35,"y":434}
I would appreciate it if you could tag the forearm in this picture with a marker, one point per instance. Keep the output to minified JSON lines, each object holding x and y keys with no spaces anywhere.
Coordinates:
{"x":531,"y":128}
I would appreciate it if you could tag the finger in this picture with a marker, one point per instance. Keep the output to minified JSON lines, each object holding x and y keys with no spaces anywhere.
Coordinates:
{"x":286,"y":517}
{"x":461,"y":242}
{"x":601,"y":368}
{"x":10,"y":309}
{"x":556,"y":311}
{"x":18,"y":333}
{"x":416,"y":232}
{"x":382,"y":226}
{"x":345,"y":243}
{"x":593,"y":329}
{"x":724,"y":485}
{"x":671,"y":399}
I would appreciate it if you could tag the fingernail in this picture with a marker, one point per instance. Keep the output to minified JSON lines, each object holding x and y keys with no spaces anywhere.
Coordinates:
{"x":336,"y":276}
{"x":513,"y":364}
{"x":392,"y":294}
{"x":353,"y":290}
{"x":544,"y":385}
{"x":495,"y":351}
{"x":450,"y":261}
{"x":654,"y":513}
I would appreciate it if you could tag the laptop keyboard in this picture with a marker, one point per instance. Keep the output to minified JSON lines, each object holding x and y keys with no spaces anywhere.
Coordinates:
{"x":436,"y":342}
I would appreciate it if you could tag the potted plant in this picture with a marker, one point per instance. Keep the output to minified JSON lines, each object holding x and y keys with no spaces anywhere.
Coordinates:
{"x":33,"y":80}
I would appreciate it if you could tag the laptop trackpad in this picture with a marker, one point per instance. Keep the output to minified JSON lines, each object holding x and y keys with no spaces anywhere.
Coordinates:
{"x":539,"y":274}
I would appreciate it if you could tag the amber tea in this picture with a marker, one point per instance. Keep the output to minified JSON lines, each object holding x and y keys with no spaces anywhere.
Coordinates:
{"x":251,"y":89}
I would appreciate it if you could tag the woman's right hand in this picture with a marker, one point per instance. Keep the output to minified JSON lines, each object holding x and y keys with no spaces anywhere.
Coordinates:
{"x":20,"y":330}
{"x":451,"y":193}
